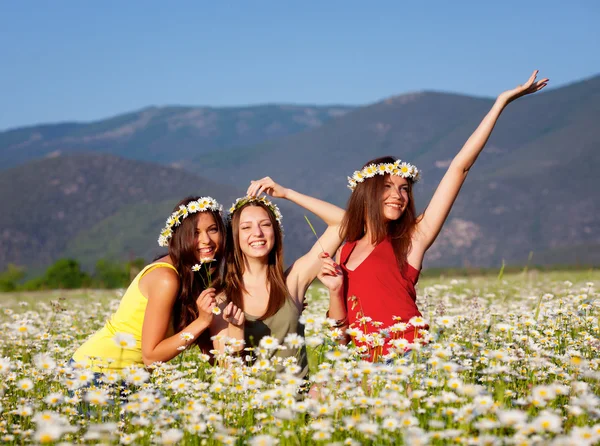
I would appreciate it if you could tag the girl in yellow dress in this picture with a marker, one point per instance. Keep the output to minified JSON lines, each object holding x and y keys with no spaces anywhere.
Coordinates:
{"x":171,"y":303}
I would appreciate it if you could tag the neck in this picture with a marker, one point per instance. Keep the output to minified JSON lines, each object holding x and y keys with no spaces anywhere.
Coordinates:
{"x":368,"y":237}
{"x":255,"y":270}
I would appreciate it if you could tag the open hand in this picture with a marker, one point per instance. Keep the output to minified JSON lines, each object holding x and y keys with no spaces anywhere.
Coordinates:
{"x":234,"y":315}
{"x":531,"y":86}
{"x":331,"y":273}
{"x":268,"y":186}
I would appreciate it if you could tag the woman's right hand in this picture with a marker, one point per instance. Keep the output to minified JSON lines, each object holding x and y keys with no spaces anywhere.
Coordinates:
{"x":268,"y":186}
{"x":206,"y":302}
{"x":330,"y":274}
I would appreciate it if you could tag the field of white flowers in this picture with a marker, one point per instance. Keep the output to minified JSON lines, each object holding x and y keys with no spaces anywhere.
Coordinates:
{"x":513,"y":360}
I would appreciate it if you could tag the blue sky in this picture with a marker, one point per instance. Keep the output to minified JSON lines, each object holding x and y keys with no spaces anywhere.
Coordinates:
{"x":74,"y":60}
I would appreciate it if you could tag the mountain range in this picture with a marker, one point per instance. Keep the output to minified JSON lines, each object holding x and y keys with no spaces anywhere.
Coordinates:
{"x":534,"y":187}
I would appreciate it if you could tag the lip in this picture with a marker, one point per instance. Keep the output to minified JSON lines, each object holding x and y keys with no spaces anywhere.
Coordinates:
{"x":208,"y":250}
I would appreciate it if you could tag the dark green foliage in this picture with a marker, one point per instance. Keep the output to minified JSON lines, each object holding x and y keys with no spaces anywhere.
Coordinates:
{"x":63,"y":274}
{"x":10,"y":278}
{"x":108,"y":274}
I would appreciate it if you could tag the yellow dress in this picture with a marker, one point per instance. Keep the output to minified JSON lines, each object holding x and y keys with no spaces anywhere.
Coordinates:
{"x":100,"y":351}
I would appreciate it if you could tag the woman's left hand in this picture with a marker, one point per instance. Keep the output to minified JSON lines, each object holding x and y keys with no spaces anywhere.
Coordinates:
{"x":233,"y":315}
{"x":531,"y":86}
{"x":268,"y":186}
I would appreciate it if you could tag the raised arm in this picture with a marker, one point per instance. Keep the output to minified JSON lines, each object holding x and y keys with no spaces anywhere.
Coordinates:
{"x":431,"y":221}
{"x":305,"y":269}
{"x":163,"y":285}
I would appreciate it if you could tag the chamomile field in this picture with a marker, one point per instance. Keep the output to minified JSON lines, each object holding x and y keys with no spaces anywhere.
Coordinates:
{"x":510,"y":360}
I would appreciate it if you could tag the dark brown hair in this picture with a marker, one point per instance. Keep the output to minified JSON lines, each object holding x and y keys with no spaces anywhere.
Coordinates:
{"x":365,"y":204}
{"x":235,"y":266}
{"x":182,"y":250}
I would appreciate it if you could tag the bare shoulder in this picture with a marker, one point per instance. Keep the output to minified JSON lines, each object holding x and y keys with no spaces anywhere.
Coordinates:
{"x":160,"y":281}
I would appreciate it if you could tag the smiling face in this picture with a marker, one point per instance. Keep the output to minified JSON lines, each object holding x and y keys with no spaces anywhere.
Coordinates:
{"x":395,"y":197}
{"x":256,"y":233}
{"x":208,"y":236}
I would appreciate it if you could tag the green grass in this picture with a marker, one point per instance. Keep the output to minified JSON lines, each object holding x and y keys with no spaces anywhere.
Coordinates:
{"x":523,"y":345}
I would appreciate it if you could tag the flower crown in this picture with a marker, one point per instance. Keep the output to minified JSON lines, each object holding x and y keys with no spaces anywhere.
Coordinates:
{"x":398,"y":168}
{"x":201,"y":205}
{"x":264,"y":200}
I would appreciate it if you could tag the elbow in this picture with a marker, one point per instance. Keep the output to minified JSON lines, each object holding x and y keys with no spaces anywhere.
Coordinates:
{"x":148,"y":360}
{"x":461,"y":166}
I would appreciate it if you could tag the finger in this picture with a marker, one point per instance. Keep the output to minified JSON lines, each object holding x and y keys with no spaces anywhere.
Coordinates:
{"x":260,"y":190}
{"x":328,"y":268}
{"x":329,"y":262}
{"x":328,"y":271}
{"x":228,"y":311}
{"x":238,"y":315}
{"x":209,"y":295}
{"x":323,"y":255}
{"x":251,"y":189}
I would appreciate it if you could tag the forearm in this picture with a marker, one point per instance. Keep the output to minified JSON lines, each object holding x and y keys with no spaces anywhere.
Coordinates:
{"x":465,"y":159}
{"x":329,"y":213}
{"x":337,"y":305}
{"x":170,"y":347}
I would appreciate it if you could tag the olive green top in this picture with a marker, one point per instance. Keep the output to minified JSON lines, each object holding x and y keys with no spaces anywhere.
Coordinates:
{"x":279,"y":325}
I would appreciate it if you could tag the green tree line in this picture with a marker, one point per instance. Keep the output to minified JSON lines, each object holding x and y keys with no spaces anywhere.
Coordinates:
{"x":68,"y":274}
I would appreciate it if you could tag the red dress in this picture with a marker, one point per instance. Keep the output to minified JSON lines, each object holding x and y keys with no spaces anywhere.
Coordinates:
{"x":378,"y":289}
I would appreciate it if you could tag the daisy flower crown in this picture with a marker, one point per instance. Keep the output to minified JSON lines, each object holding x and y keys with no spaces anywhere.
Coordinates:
{"x":264,"y":200}
{"x":398,"y":168}
{"x":200,"y":205}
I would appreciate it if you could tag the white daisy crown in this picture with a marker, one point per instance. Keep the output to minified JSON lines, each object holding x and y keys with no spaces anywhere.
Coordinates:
{"x":200,"y":205}
{"x":264,"y":200}
{"x":398,"y":168}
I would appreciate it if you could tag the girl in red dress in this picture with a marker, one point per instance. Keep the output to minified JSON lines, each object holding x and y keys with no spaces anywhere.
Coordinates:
{"x":372,"y":290}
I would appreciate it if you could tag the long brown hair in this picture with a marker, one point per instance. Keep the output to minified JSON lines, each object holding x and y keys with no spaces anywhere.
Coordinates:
{"x":365,"y":205}
{"x":235,"y":265}
{"x":182,"y":250}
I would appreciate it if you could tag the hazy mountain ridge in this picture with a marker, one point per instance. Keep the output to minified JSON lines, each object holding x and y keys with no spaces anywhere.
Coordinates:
{"x":534,"y":188}
{"x":89,"y":206}
{"x":169,"y":135}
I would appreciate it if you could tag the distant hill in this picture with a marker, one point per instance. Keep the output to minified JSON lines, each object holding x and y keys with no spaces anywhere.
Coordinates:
{"x":534,"y":187}
{"x":91,"y":206}
{"x":166,"y":135}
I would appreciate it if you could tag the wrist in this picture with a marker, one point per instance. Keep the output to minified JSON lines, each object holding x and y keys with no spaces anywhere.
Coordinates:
{"x":285,"y":192}
{"x":200,"y":324}
{"x":336,"y":291}
{"x":339,"y":321}
{"x":236,"y":327}
{"x":501,"y":102}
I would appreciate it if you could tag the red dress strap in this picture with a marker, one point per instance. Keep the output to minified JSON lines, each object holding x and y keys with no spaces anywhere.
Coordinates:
{"x":346,"y":251}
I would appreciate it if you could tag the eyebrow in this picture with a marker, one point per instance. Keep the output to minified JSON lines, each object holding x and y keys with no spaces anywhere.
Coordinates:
{"x":199,"y":228}
{"x":250,"y":221}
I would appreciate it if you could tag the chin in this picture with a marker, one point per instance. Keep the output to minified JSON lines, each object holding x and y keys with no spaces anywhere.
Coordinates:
{"x":392,"y":216}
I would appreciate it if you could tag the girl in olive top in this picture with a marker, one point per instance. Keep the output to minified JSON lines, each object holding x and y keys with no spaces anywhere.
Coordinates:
{"x":170,"y":302}
{"x":272,"y":300}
